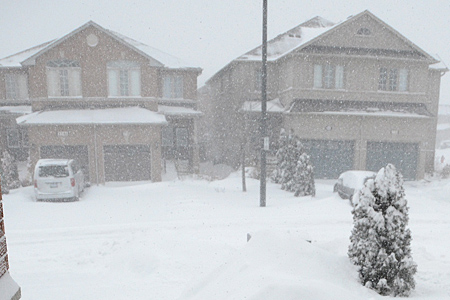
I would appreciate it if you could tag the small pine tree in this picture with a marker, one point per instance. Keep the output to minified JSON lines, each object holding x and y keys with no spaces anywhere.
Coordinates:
{"x":380,"y":239}
{"x":304,"y":177}
{"x":293,"y":150}
{"x":10,"y":172}
{"x":281,"y":157}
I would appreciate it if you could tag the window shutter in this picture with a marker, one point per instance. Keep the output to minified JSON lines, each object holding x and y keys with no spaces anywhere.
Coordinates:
{"x":113,"y":84}
{"x":74,"y":82}
{"x":135,"y":82}
{"x":339,"y":79}
{"x":53,"y":82}
{"x":403,"y":80}
{"x":317,"y":76}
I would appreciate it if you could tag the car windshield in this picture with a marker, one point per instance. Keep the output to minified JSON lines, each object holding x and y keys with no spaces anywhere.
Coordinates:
{"x":55,"y":171}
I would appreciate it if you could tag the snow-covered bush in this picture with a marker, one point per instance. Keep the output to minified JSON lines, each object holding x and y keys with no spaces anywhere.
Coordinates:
{"x":10,"y":172}
{"x":304,"y":177}
{"x":380,"y":239}
{"x":294,"y":170}
{"x":281,"y":155}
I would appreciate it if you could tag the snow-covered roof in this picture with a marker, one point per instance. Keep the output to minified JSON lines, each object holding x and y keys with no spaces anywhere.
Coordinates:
{"x":274,"y":106}
{"x":20,"y":109}
{"x":14,"y":61}
{"x":169,"y":61}
{"x":360,"y":108}
{"x":305,"y":34}
{"x":290,"y":40}
{"x":165,"y":59}
{"x":178,"y":111}
{"x":121,"y":116}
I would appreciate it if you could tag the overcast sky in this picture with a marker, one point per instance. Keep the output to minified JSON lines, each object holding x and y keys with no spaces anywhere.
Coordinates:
{"x":211,"y":33}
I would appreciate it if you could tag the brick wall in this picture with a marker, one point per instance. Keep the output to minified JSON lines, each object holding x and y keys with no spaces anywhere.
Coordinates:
{"x":11,"y":289}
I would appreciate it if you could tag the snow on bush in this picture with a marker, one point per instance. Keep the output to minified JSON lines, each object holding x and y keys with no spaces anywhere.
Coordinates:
{"x":380,"y":239}
{"x":294,"y":170}
{"x":10,"y":174}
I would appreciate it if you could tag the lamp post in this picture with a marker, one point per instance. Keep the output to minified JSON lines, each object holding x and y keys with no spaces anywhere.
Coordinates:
{"x":264,"y":139}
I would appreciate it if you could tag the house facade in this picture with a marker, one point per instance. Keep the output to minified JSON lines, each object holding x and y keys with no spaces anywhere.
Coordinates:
{"x":102,"y":98}
{"x":357,"y":93}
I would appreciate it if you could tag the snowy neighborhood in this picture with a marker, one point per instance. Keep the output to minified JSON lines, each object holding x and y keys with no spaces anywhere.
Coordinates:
{"x":126,"y":174}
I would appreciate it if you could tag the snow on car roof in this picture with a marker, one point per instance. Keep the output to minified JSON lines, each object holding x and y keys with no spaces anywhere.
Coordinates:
{"x":52,"y":162}
{"x":355,"y":179}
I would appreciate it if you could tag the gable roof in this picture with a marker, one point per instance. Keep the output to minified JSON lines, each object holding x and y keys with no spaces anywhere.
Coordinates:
{"x":309,"y":32}
{"x":160,"y":58}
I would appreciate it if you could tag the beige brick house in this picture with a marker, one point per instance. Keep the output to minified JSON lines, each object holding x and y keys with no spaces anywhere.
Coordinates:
{"x":357,"y":93}
{"x":115,"y":104}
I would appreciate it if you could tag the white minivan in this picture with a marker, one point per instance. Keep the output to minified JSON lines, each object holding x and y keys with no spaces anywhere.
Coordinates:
{"x":58,"y":180}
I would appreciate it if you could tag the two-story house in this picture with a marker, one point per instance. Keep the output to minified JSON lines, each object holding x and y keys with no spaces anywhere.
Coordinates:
{"x":357,"y":93}
{"x":115,"y":104}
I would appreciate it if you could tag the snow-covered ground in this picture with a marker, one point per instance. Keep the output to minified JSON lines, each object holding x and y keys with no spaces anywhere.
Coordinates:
{"x":187,"y":239}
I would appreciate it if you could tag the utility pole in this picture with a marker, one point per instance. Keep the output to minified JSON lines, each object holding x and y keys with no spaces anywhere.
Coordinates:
{"x":264,"y":139}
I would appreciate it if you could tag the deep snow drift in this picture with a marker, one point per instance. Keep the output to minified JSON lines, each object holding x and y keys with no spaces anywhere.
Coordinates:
{"x":187,"y":239}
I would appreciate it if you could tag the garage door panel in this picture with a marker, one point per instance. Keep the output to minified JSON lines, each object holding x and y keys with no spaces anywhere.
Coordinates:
{"x":404,"y":156}
{"x":330,"y":158}
{"x":127,"y":162}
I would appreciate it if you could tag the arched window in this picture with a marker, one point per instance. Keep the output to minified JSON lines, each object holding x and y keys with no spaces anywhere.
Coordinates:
{"x":64,"y":78}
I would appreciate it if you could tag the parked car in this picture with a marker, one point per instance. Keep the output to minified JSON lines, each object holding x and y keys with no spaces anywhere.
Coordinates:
{"x":58,"y":180}
{"x":351,"y":181}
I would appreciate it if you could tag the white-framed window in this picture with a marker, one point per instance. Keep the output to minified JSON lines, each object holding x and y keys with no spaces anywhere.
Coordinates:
{"x":64,"y":78}
{"x":16,"y":86}
{"x":328,"y":76}
{"x":173,"y":86}
{"x":182,"y":136}
{"x":392,"y":79}
{"x":124,"y":78}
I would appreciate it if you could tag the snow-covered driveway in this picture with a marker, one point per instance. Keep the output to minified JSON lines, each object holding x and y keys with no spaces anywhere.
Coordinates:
{"x":188,"y":240}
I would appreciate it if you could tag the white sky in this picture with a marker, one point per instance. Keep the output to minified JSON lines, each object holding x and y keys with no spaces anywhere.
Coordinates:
{"x":211,"y":33}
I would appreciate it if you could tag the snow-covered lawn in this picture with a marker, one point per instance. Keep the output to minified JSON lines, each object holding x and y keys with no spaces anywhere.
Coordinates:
{"x":187,"y":239}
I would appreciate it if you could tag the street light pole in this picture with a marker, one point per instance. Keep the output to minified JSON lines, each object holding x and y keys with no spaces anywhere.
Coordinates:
{"x":262,"y":198}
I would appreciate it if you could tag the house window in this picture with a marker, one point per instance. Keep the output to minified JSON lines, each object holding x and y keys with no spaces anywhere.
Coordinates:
{"x":13,"y":137}
{"x":393,"y":80}
{"x":64,"y":78}
{"x":173,"y":86}
{"x":329,"y":76}
{"x":182,"y":137}
{"x":124,"y":79}
{"x":16,"y":86}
